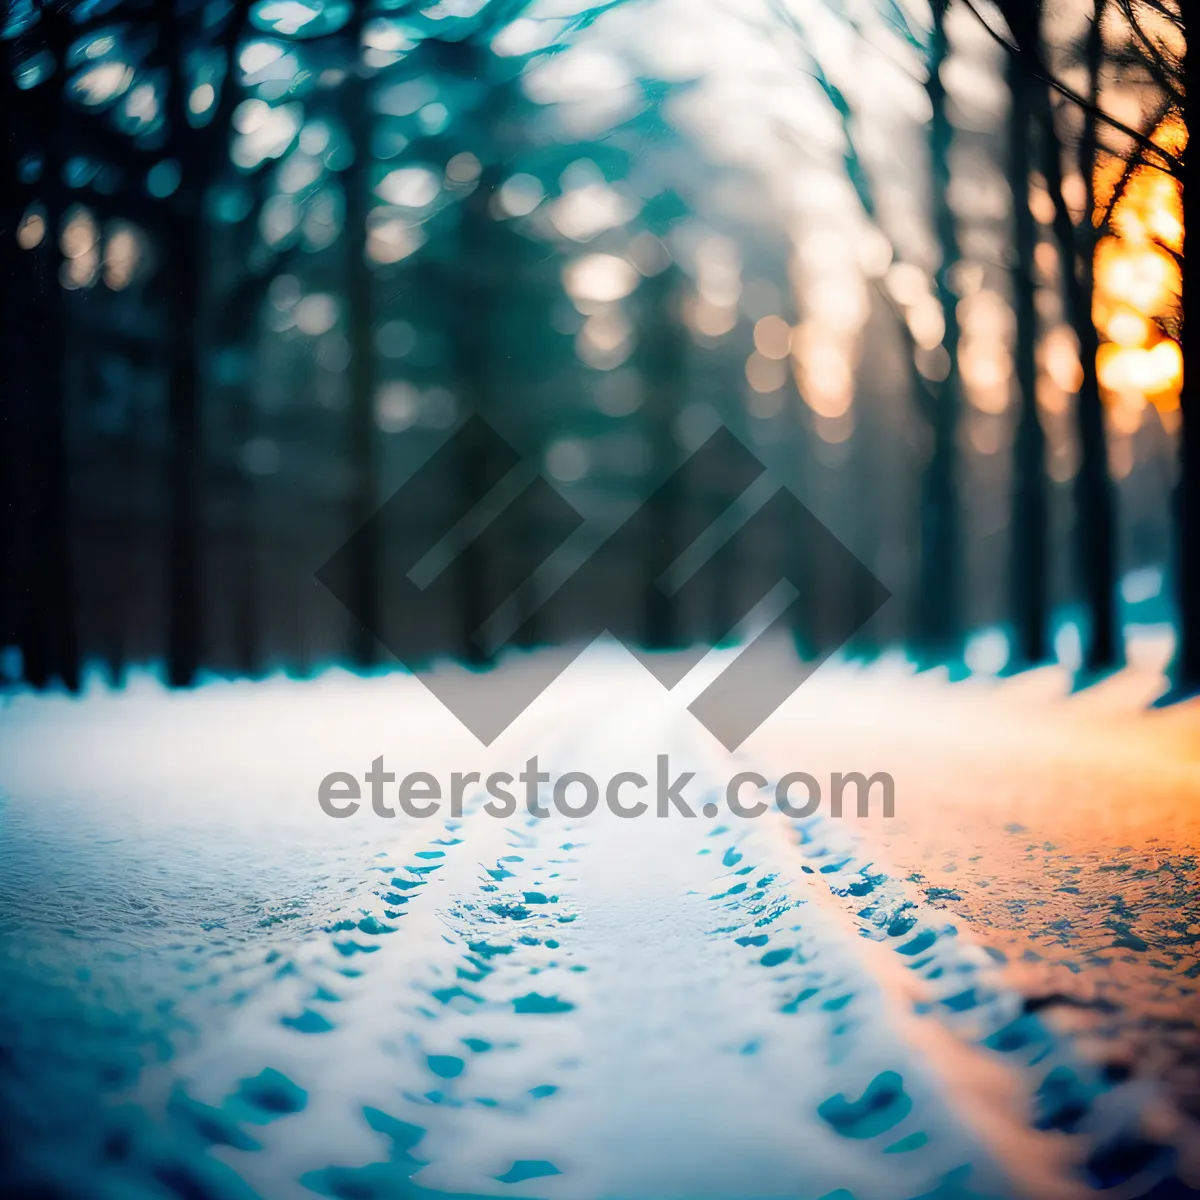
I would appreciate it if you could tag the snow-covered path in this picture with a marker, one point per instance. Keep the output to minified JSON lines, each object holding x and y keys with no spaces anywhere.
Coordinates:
{"x":209,"y":988}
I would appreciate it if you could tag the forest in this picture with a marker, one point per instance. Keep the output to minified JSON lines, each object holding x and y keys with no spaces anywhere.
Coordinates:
{"x":436,"y":432}
{"x":262,"y":258}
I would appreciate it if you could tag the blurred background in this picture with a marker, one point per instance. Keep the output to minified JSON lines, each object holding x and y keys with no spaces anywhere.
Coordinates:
{"x":262,"y":258}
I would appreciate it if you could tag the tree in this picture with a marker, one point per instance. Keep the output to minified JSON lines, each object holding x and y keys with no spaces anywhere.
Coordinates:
{"x":176,"y":160}
{"x":199,"y":149}
{"x":364,"y":482}
{"x":1028,"y":550}
{"x":1161,"y":51}
{"x":1170,"y":59}
{"x":1188,"y":546}
{"x":48,"y":634}
{"x":1095,"y":520}
{"x":939,"y":614}
{"x":938,"y":623}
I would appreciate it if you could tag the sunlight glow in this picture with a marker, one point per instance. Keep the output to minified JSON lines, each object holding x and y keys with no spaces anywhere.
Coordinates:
{"x":32,"y":229}
{"x":1138,"y":281}
{"x":410,"y":187}
{"x":123,"y":254}
{"x":599,"y":278}
{"x":606,"y":339}
{"x":824,"y":375}
{"x":772,"y":337}
{"x":588,"y":206}
{"x":520,"y":194}
{"x":79,"y":243}
{"x":390,"y":238}
{"x":201,"y":99}
{"x":102,"y":83}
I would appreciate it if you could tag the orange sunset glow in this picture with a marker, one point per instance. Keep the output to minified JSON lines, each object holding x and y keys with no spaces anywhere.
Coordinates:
{"x":1138,"y":279}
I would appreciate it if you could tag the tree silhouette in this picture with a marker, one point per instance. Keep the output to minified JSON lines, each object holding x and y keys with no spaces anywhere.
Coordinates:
{"x":1029,"y":542}
{"x":1162,"y":53}
{"x":1095,"y":529}
{"x":939,"y":616}
{"x":937,"y":625}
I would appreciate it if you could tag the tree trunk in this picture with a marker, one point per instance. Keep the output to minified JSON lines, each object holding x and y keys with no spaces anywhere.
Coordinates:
{"x":245,"y":532}
{"x":662,"y":353}
{"x":1028,"y":549}
{"x":474,"y":301}
{"x":939,"y":612}
{"x":13,"y":276}
{"x":1099,"y":550}
{"x":49,"y":643}
{"x":1187,"y":663}
{"x":183,"y":465}
{"x":1095,"y":520}
{"x":181,"y":276}
{"x":364,"y":467}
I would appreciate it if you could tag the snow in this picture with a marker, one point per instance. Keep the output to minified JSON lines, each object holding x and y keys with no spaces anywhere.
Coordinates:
{"x":200,"y":968}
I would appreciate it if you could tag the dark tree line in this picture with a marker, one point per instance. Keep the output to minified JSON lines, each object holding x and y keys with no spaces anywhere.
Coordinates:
{"x":1036,"y":146}
{"x":208,"y":289}
{"x":1168,"y":64}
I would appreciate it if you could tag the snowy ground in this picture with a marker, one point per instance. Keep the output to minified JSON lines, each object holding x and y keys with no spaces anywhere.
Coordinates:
{"x":209,"y":988}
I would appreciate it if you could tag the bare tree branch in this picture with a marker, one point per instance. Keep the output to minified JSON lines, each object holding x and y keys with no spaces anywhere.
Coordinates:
{"x":1132,"y":165}
{"x":1170,"y":163}
{"x":1154,"y":56}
